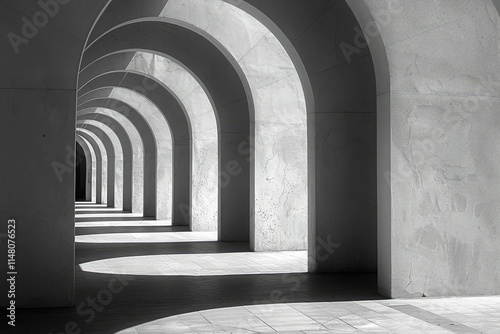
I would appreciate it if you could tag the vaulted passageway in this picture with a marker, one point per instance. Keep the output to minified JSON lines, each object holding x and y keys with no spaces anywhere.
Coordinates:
{"x":360,"y":134}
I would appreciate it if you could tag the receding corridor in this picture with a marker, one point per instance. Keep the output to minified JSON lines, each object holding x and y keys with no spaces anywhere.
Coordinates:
{"x":247,"y":166}
{"x":169,"y":271}
{"x":166,"y":279}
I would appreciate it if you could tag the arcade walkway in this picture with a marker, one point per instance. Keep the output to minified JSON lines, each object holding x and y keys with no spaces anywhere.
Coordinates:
{"x":141,"y":276}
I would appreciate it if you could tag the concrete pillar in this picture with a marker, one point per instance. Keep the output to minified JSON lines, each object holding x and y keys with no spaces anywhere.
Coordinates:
{"x":37,"y":138}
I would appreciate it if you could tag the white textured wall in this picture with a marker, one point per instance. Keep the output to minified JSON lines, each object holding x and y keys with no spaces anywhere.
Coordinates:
{"x":443,"y":142}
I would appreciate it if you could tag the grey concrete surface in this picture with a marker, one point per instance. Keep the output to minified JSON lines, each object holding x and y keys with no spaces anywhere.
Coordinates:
{"x":443,"y":170}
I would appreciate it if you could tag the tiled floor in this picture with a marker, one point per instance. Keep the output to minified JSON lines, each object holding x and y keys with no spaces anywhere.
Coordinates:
{"x":444,"y":315}
{"x":147,"y":277}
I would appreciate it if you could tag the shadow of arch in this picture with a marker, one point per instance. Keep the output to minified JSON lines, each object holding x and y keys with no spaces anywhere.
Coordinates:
{"x":384,"y":193}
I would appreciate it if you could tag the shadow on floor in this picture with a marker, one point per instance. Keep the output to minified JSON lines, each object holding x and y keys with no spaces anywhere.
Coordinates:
{"x":91,"y":206}
{"x":129,"y":229}
{"x":147,"y":298}
{"x":80,"y":211}
{"x":95,"y":251}
{"x":110,"y":219}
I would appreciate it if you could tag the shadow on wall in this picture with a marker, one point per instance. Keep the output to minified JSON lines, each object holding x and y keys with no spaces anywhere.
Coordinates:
{"x":497,"y":5}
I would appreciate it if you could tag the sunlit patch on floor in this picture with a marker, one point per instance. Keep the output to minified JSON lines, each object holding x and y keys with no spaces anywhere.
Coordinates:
{"x":429,"y":315}
{"x":147,"y":237}
{"x":216,"y":264}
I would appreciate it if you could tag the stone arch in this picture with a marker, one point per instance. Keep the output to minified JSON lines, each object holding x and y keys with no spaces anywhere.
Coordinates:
{"x":230,"y":99}
{"x":130,"y":154}
{"x":233,"y":53}
{"x":114,"y":153}
{"x":138,"y":104}
{"x":192,"y":100}
{"x":144,"y":154}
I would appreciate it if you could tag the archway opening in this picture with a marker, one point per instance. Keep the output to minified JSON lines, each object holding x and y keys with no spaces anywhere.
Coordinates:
{"x":247,"y":111}
{"x":80,"y":175}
